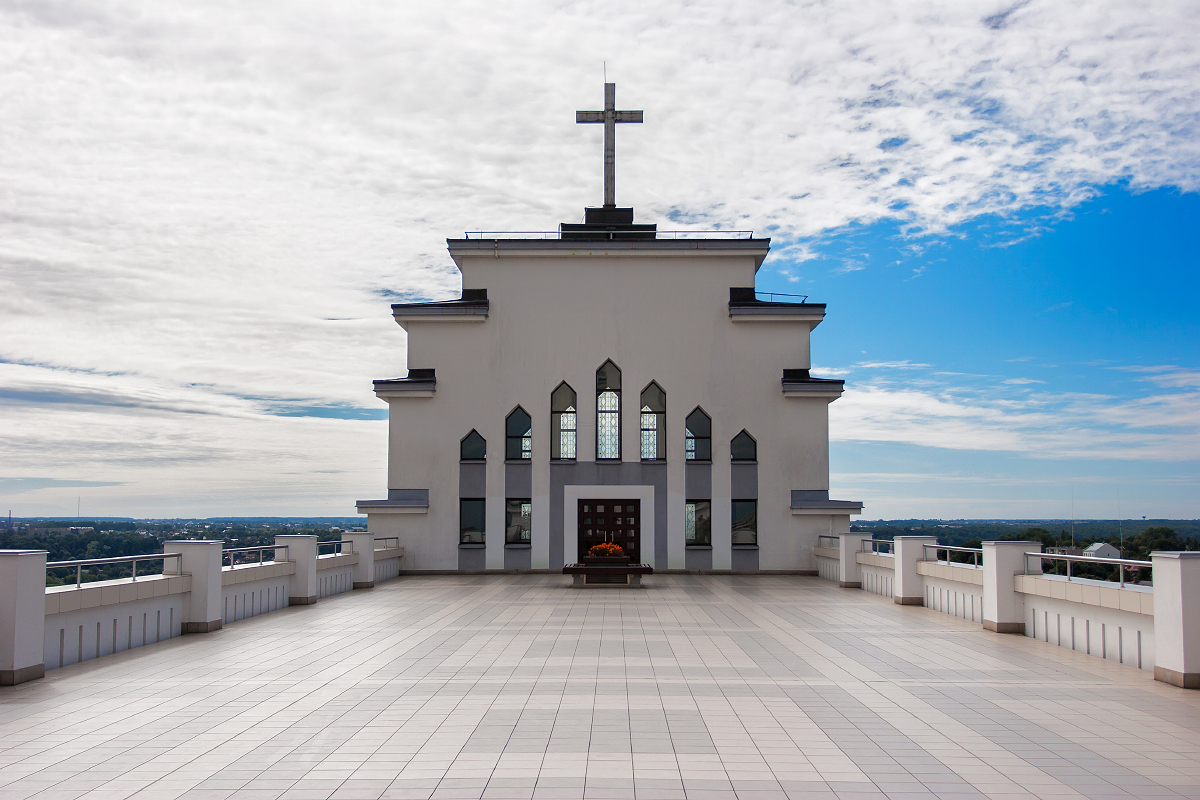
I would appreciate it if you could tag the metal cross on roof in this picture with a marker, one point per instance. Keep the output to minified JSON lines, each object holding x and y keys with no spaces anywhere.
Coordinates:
{"x":610,"y":117}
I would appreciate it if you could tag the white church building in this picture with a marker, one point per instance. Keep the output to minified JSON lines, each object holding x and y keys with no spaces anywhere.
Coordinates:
{"x":609,"y":382}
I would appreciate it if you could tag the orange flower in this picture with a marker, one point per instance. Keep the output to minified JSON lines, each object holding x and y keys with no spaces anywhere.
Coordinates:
{"x":606,"y":550}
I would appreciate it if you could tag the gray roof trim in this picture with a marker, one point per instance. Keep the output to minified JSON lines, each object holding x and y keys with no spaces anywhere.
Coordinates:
{"x":832,"y":505}
{"x":390,"y":504}
{"x":758,"y":248}
{"x":453,"y":308}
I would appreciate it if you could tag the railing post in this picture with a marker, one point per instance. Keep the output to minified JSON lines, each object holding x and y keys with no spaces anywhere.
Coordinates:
{"x":909,"y":587}
{"x":200,"y":558}
{"x":1177,"y":618}
{"x":302,"y":550}
{"x":22,"y":615}
{"x":850,"y":545}
{"x":1003,"y":606}
{"x":364,"y":570}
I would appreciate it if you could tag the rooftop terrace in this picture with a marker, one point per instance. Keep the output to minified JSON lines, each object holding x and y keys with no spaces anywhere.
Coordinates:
{"x":515,"y":686}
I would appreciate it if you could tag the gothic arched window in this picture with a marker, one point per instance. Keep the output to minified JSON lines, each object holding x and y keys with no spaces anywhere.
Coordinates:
{"x":562,"y":422}
{"x":518,"y":435}
{"x":608,"y":412}
{"x":473,"y":447}
{"x":698,"y":436}
{"x":743,"y":448}
{"x":654,"y":423}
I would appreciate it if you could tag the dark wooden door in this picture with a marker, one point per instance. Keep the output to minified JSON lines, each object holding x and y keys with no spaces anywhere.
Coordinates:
{"x":616,"y":521}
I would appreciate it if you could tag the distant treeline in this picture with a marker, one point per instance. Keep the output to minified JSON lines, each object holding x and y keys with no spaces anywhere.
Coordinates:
{"x":1139,"y":538}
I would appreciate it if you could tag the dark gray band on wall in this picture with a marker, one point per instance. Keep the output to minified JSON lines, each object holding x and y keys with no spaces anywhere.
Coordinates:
{"x":697,"y":481}
{"x":472,"y":480}
{"x":589,"y":473}
{"x":413,"y":497}
{"x":518,"y":480}
{"x":743,"y":481}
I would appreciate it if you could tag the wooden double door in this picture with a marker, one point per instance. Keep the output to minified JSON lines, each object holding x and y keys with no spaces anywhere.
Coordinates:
{"x":617,"y":521}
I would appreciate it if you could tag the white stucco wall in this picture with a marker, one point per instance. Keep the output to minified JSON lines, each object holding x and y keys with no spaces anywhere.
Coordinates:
{"x":659,"y":317}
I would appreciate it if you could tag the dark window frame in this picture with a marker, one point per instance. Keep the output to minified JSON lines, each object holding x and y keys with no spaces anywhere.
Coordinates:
{"x":518,"y":443}
{"x":600,"y":390}
{"x":733,"y":447}
{"x":522,"y":501}
{"x":462,"y":444}
{"x":465,"y":533}
{"x":660,"y":420}
{"x":556,"y":429}
{"x":734,"y":519}
{"x":700,"y":449}
{"x":696,"y":541}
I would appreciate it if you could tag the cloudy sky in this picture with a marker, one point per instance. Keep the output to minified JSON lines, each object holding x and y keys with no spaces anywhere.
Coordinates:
{"x":205,"y":209}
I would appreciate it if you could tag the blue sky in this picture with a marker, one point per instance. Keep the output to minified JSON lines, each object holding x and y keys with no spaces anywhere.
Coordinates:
{"x":206,"y":209}
{"x":1034,"y":308}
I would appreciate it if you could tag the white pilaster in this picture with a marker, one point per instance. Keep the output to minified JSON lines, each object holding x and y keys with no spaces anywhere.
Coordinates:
{"x":1177,"y":618}
{"x":908,"y":589}
{"x":22,"y":615}
{"x":201,"y":558}
{"x":302,"y":589}
{"x":1003,"y":606}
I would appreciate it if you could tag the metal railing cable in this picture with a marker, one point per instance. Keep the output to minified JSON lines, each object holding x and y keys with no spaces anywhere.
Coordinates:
{"x":976,"y":553}
{"x":234,"y":552}
{"x":1121,"y":563}
{"x":80,"y":563}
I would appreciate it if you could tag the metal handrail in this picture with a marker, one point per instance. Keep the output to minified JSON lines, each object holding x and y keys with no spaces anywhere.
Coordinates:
{"x":395,"y":539}
{"x":1121,"y":563}
{"x":80,"y":563}
{"x":873,"y":545}
{"x":837,"y":541}
{"x":260,"y":550}
{"x":976,"y":552}
{"x":658,"y":234}
{"x":803,"y":297}
{"x":339,"y":547}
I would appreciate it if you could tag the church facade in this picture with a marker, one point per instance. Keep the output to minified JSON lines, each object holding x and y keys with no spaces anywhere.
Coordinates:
{"x":608,"y":383}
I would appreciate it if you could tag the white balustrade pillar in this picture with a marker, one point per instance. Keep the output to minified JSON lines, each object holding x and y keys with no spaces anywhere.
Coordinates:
{"x":1177,"y":618}
{"x":201,"y":558}
{"x":1003,"y":606}
{"x":364,"y":571}
{"x":22,"y":615}
{"x":302,"y":550}
{"x":909,"y":589}
{"x":851,"y":544}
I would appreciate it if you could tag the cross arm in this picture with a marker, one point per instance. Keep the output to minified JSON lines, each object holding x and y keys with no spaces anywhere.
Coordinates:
{"x":589,"y":116}
{"x":629,"y":116}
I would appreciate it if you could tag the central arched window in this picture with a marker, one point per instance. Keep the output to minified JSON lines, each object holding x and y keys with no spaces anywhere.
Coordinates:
{"x":654,"y":418}
{"x":743,"y":448}
{"x":563,"y":422}
{"x":608,"y":412}
{"x":518,"y":435}
{"x":472,"y":447}
{"x":698,"y":437}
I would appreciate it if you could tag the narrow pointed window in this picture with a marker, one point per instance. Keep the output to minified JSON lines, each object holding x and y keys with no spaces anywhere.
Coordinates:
{"x":608,"y":412}
{"x":654,"y":417}
{"x":562,"y":423}
{"x":518,"y":438}
{"x":698,"y":437}
{"x":743,"y":448}
{"x":473,"y":447}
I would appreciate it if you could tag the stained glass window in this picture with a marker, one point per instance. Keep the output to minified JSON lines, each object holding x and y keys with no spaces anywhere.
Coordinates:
{"x":653,"y":423}
{"x":518,"y":435}
{"x":608,"y":430}
{"x":563,"y":421}
{"x":608,"y":411}
{"x":743,"y":448}
{"x":697,"y":523}
{"x":697,"y":435}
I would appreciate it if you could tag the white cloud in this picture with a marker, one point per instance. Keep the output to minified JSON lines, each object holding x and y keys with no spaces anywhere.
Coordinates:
{"x":203,"y":203}
{"x":1022,"y":381}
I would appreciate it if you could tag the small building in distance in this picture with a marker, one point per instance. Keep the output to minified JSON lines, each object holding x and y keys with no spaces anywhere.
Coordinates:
{"x":1102,"y":550}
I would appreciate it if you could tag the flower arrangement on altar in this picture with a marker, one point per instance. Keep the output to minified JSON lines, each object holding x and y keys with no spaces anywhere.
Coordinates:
{"x":606,"y":550}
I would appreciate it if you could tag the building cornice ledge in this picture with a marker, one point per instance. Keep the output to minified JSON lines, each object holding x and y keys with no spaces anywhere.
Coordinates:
{"x":567,"y":248}
{"x":419,"y":383}
{"x":798,"y":383}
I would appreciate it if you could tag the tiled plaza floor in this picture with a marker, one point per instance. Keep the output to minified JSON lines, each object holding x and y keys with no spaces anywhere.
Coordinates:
{"x":703,"y":688}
